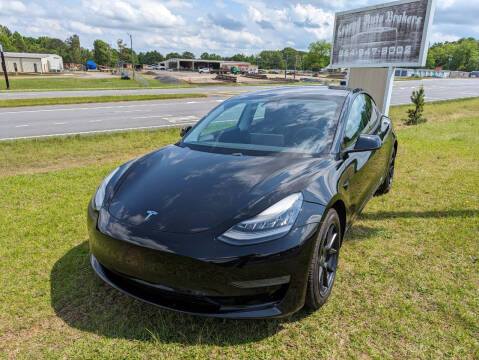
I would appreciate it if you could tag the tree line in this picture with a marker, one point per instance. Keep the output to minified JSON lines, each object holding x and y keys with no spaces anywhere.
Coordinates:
{"x":460,"y":55}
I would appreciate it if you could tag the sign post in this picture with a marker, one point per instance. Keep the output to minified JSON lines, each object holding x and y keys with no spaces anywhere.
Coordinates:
{"x":4,"y":67}
{"x":381,"y":37}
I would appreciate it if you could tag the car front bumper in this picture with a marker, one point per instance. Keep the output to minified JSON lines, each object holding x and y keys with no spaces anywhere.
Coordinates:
{"x":204,"y":276}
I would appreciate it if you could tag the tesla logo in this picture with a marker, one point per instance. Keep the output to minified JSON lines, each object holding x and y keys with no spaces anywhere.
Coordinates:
{"x":150,"y":213}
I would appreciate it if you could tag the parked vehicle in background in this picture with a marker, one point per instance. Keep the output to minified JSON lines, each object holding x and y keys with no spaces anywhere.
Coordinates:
{"x":204,"y":70}
{"x":125,"y":75}
{"x":252,"y":71}
{"x":261,"y":71}
{"x":235,"y":70}
{"x":474,"y":74}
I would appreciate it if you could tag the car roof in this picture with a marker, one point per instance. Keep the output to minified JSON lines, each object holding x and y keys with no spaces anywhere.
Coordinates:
{"x":296,"y":91}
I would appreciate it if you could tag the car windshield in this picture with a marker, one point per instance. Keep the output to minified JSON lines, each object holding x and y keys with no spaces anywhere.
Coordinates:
{"x":291,"y":125}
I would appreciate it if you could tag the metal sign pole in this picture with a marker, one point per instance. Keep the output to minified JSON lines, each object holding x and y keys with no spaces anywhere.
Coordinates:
{"x":389,"y":90}
{"x":4,"y":67}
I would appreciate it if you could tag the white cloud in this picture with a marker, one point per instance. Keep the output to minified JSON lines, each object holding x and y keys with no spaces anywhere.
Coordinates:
{"x":15,"y":6}
{"x":310,"y":16}
{"x":220,"y":4}
{"x":84,"y":28}
{"x":221,"y":26}
{"x":49,"y":27}
{"x":437,"y":36}
{"x":129,"y":13}
{"x":178,"y":4}
{"x":444,"y":4}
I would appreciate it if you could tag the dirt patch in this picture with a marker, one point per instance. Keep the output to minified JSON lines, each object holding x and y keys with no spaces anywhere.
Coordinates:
{"x":168,"y":79}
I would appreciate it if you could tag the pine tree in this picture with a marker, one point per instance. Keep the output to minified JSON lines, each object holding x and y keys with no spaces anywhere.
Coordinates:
{"x":415,"y":116}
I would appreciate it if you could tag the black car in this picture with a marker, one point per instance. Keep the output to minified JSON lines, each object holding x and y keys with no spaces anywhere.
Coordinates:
{"x":245,"y":216}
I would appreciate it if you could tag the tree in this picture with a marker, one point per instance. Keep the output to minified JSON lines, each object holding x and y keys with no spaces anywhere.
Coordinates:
{"x":415,"y":115}
{"x":289,"y":54}
{"x":18,"y":42}
{"x":150,"y":57}
{"x":173,"y":55}
{"x":101,"y":52}
{"x":187,"y":55}
{"x":115,"y":57}
{"x":206,"y":56}
{"x":318,"y":56}
{"x":271,"y":59}
{"x":74,"y":54}
{"x":466,"y":55}
{"x":6,"y":40}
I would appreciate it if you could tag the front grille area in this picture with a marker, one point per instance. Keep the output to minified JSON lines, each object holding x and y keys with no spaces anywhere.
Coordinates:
{"x":189,"y":302}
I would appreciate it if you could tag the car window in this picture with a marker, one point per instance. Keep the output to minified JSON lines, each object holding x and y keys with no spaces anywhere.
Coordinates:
{"x":358,"y":119}
{"x":227,"y":119}
{"x":258,"y":114}
{"x":295,"y":125}
{"x":373,"y":120}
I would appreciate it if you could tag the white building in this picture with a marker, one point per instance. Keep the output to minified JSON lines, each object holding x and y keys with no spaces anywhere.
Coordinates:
{"x":195,"y":64}
{"x":32,"y":63}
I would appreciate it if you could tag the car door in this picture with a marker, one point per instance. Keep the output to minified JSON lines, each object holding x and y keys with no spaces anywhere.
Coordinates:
{"x":380,"y":126}
{"x":360,"y":169}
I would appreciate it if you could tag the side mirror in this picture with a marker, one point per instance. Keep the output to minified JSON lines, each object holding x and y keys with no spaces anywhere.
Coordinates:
{"x":185,"y":130}
{"x":367,"y":143}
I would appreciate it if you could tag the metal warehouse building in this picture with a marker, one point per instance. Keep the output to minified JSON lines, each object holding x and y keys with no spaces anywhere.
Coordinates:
{"x":195,"y":64}
{"x":32,"y":63}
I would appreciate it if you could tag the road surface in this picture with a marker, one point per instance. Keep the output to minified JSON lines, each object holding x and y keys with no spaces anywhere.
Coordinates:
{"x":45,"y":121}
{"x":436,"y":89}
{"x":58,"y":120}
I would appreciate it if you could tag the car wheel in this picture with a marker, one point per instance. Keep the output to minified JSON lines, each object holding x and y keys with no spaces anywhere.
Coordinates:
{"x":325,"y":261}
{"x":388,"y":181}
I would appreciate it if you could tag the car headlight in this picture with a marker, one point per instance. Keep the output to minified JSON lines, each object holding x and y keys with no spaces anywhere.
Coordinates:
{"x":273,"y":223}
{"x":100,"y":193}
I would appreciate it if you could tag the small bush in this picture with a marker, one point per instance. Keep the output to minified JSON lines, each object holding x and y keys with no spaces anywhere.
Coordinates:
{"x":415,"y":115}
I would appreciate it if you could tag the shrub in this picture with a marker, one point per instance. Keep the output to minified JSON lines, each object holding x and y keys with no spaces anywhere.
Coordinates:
{"x":415,"y":115}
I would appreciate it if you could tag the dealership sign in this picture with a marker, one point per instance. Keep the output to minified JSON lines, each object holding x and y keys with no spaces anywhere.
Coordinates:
{"x":392,"y":34}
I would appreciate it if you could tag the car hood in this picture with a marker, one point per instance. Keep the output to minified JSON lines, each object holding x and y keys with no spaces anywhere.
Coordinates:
{"x":189,"y":191}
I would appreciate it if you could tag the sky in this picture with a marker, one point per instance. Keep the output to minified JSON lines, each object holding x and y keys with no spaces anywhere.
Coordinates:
{"x":224,"y":27}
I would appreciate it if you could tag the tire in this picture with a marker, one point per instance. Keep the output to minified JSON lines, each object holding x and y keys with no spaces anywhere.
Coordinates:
{"x":325,"y":261}
{"x":388,"y":181}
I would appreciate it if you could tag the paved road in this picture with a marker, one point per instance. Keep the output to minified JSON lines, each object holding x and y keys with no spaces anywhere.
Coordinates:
{"x":18,"y":123}
{"x":45,"y":121}
{"x":222,"y":89}
{"x":436,"y":89}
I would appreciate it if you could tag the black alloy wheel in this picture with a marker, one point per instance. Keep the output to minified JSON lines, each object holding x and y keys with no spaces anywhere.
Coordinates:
{"x":325,"y":262}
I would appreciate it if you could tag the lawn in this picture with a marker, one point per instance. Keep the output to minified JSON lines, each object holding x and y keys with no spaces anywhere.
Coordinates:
{"x":407,"y":283}
{"x":74,"y":83}
{"x":93,"y":99}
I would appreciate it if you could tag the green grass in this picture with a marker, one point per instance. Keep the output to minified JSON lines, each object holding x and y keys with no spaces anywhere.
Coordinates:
{"x":93,"y":99}
{"x":407,"y":78}
{"x":407,"y":284}
{"x":74,"y":83}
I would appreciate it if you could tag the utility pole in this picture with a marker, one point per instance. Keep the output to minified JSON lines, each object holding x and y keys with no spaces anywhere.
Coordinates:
{"x":132,"y":59}
{"x":286,"y":66}
{"x":295,"y":66}
{"x":4,"y":67}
